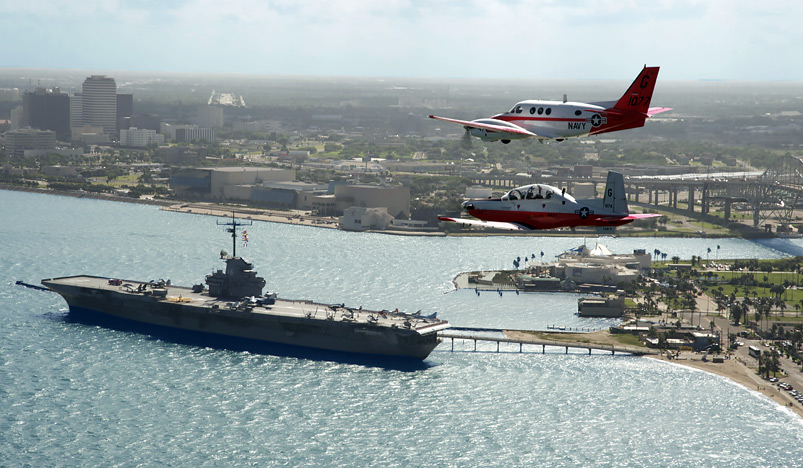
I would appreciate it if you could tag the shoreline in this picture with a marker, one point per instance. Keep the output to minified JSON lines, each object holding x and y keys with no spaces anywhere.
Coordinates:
{"x":300,"y":219}
{"x":737,"y":372}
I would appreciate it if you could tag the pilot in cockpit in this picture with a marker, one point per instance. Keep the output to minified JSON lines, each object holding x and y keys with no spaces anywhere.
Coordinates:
{"x":538,"y":195}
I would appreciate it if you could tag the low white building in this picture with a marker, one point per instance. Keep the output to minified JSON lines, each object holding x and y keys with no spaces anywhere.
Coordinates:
{"x":478,"y":191}
{"x":140,"y":137}
{"x":599,"y":265}
{"x":358,"y":218}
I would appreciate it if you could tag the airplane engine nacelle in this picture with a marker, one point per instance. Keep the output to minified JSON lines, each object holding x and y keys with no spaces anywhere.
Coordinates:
{"x":486,"y":135}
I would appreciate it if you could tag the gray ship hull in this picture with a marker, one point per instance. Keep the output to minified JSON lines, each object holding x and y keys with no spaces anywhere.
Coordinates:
{"x":296,"y":323}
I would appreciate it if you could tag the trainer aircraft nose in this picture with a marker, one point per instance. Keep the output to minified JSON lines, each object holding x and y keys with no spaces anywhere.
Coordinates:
{"x":467,"y":205}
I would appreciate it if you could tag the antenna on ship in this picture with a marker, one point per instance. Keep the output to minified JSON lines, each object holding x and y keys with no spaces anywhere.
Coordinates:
{"x":233,"y":230}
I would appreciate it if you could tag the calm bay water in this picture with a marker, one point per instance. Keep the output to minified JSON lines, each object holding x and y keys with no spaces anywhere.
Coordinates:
{"x":77,"y":395}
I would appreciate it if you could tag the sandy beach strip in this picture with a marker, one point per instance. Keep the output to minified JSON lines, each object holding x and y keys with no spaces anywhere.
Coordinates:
{"x":738,"y":372}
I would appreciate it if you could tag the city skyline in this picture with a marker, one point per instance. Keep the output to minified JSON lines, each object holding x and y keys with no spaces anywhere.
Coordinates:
{"x":690,"y":40}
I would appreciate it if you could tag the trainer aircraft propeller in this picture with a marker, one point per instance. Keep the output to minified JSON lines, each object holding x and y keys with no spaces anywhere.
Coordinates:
{"x":541,"y":206}
{"x":558,"y":120}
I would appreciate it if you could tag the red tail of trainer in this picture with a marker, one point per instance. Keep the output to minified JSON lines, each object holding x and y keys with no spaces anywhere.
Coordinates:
{"x":639,"y":94}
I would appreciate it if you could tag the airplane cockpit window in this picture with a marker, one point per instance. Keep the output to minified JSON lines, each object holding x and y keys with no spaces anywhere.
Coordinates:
{"x":512,"y":195}
{"x":533,"y":192}
{"x":518,"y":109}
{"x":548,"y":110}
{"x":539,"y":192}
{"x":532,"y":110}
{"x":540,"y":110}
{"x":513,"y":110}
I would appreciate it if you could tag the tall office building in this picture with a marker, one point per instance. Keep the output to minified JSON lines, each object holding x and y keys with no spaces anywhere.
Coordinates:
{"x":125,"y":110}
{"x":210,"y":117}
{"x":77,"y":110}
{"x":47,"y":109}
{"x":99,"y":103}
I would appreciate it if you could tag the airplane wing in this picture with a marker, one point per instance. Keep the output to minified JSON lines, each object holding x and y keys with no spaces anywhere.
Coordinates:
{"x":617,"y":220}
{"x":501,"y":127}
{"x":657,"y":110}
{"x":486,"y":224}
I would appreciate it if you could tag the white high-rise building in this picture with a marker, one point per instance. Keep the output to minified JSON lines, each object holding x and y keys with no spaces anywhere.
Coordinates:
{"x":99,"y":103}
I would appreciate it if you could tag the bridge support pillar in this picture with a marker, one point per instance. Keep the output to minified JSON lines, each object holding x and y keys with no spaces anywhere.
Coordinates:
{"x":674,"y":198}
{"x":727,"y":210}
{"x":691,"y":199}
{"x":649,"y":196}
{"x":705,"y":200}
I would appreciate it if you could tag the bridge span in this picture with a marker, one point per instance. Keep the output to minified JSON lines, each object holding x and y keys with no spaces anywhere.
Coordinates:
{"x":523,"y":337}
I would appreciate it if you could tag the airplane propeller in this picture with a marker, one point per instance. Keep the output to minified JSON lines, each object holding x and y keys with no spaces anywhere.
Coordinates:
{"x":465,"y":141}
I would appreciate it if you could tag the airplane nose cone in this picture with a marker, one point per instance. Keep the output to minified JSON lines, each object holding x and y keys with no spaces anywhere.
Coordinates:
{"x":467,"y":205}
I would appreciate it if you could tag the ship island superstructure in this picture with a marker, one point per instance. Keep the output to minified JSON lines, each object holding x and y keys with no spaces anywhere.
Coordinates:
{"x":232,"y":305}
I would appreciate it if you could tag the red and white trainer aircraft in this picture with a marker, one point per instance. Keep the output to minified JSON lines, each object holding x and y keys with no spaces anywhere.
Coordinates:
{"x":541,"y":206}
{"x":556,"y":120}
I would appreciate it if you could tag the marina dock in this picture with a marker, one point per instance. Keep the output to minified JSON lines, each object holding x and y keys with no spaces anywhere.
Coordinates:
{"x":522,"y":338}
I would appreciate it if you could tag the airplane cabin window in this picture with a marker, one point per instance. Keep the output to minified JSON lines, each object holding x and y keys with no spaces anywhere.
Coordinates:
{"x":532,"y":110}
{"x":548,"y":110}
{"x":577,"y":112}
{"x":540,"y":110}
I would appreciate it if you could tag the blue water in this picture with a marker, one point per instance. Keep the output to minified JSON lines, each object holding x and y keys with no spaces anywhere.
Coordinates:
{"x":79,"y":395}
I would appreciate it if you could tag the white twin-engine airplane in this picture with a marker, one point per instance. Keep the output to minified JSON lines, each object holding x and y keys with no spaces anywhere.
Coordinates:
{"x":556,"y":120}
{"x":541,"y":206}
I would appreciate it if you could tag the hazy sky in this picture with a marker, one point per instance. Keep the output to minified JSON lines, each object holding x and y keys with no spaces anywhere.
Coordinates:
{"x":543,"y":39}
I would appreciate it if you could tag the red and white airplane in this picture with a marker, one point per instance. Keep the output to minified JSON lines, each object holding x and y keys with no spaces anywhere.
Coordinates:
{"x":541,"y":206}
{"x":556,"y":120}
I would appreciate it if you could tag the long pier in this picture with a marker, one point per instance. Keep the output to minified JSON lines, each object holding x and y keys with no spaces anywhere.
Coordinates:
{"x":482,"y":334}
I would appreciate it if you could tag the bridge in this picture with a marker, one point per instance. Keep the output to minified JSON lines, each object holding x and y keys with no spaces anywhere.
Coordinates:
{"x":498,"y":336}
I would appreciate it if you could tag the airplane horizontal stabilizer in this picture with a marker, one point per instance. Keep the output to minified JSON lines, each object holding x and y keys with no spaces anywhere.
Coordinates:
{"x":657,"y":110}
{"x":642,"y":216}
{"x":485,"y":224}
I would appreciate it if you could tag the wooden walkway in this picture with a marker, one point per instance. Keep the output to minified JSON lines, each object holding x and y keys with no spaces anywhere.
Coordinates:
{"x":486,"y":334}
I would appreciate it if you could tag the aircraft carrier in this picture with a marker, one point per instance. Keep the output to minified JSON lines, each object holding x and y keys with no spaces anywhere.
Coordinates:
{"x":232,"y":305}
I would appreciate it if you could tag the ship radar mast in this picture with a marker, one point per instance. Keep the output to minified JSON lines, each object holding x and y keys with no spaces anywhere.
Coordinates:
{"x":232,"y":228}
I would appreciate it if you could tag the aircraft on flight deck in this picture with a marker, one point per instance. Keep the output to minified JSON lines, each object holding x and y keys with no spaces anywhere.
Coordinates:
{"x":556,"y":120}
{"x":541,"y":206}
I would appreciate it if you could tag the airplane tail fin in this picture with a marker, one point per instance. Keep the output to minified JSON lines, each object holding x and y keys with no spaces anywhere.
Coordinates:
{"x":638,"y":96}
{"x":615,"y":198}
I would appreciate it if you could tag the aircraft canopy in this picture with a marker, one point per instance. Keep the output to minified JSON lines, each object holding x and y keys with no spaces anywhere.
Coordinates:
{"x":537,"y":191}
